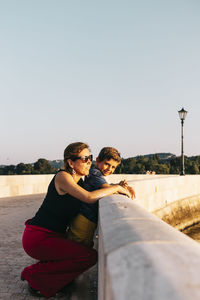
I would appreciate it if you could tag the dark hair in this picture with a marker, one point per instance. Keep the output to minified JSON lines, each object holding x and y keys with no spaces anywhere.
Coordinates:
{"x":72,"y":150}
{"x":109,"y":153}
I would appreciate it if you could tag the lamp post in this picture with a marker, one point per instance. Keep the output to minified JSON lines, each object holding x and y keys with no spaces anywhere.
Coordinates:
{"x":182,"y":115}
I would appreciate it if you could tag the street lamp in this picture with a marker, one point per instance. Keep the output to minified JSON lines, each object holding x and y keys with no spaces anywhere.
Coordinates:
{"x":182,"y":115}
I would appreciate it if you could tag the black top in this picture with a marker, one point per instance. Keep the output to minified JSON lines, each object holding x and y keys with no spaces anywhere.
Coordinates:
{"x":56,"y":211}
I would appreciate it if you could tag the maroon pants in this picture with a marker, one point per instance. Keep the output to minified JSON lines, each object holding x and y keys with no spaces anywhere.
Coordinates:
{"x":60,"y":260}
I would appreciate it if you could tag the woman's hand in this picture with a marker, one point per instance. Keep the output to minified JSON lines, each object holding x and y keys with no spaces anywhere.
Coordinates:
{"x":124,"y":191}
{"x":125,"y":185}
{"x":131,"y":191}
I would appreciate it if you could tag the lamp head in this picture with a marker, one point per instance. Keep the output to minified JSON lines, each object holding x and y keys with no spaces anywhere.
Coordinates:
{"x":182,"y":114}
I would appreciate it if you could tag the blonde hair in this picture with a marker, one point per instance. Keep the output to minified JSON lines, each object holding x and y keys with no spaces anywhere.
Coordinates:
{"x":73,"y":150}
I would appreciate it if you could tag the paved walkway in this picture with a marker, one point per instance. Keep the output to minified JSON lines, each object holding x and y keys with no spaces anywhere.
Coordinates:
{"x":13,"y":212}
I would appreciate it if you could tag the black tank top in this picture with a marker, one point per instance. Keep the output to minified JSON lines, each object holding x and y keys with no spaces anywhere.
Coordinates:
{"x":56,"y":211}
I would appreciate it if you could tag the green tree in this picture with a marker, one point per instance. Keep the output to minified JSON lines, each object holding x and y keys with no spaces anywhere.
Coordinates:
{"x":161,"y":169}
{"x":174,"y":165}
{"x":192,"y":168}
{"x":9,"y":170}
{"x":20,"y":168}
{"x":42,"y":166}
{"x":139,"y":168}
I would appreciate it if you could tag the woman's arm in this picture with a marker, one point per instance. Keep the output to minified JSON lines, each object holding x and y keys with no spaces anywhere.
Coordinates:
{"x":65,"y":184}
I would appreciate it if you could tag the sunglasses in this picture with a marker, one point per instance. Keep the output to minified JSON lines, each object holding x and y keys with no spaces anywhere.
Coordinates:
{"x":84,"y":159}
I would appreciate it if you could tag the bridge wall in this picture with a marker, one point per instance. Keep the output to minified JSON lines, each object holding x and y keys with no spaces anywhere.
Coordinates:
{"x":142,"y":257}
{"x":174,"y":199}
{"x":17,"y":185}
{"x":153,"y":192}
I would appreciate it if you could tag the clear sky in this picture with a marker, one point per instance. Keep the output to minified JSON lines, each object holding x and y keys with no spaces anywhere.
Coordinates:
{"x":109,"y":73}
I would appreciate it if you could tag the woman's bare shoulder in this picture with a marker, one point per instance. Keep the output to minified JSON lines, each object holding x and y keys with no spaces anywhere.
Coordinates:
{"x":63,"y":175}
{"x":62,"y":182}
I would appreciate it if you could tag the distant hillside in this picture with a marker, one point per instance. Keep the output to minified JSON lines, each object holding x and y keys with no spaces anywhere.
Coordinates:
{"x":162,"y":155}
{"x":58,"y":163}
{"x":161,"y":163}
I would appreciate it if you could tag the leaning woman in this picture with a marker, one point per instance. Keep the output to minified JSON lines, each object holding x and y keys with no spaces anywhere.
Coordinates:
{"x":44,"y":238}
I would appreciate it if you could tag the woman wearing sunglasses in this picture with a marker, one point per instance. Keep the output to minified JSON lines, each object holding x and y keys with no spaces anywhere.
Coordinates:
{"x":44,"y":238}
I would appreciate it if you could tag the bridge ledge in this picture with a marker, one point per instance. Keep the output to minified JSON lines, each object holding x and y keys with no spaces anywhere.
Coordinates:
{"x":144,"y":260}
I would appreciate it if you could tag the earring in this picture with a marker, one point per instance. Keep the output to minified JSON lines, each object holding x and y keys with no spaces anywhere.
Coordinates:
{"x":73,"y":172}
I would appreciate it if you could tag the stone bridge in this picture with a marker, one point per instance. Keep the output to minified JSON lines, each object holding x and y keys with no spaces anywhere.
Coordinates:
{"x":140,"y":255}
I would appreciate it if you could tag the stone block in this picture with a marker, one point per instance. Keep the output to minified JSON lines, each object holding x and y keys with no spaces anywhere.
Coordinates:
{"x":154,"y":271}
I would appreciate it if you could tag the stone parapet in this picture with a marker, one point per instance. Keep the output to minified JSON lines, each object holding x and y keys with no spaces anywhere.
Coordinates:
{"x":154,"y":192}
{"x":18,"y":185}
{"x":142,"y":257}
{"x":173,"y":198}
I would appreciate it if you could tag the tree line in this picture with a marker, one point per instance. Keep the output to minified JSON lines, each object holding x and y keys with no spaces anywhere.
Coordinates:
{"x":41,"y":166}
{"x":135,"y":165}
{"x":154,"y":163}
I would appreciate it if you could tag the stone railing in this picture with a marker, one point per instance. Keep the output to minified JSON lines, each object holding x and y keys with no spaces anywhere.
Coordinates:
{"x":155,"y":192}
{"x":174,"y":199}
{"x":142,"y":257}
{"x":17,"y":185}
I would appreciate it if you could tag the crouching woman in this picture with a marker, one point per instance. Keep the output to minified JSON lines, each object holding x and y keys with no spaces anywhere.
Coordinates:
{"x":60,"y":259}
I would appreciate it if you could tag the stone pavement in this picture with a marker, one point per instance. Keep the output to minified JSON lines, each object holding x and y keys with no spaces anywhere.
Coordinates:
{"x":13,"y":212}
